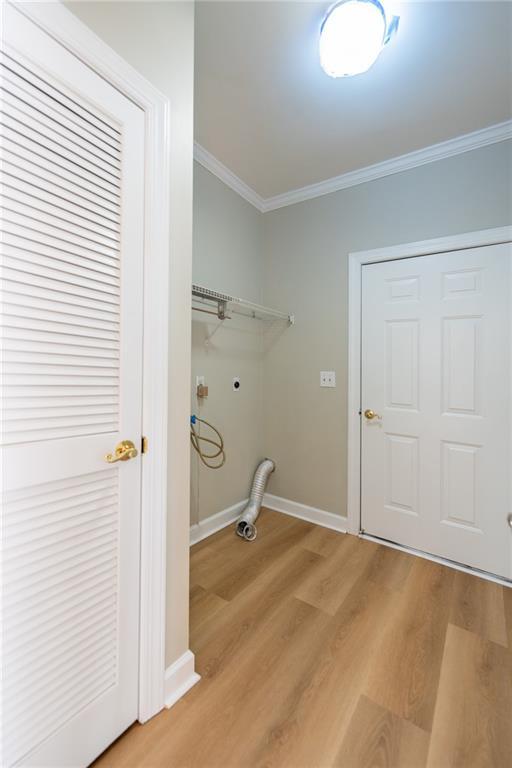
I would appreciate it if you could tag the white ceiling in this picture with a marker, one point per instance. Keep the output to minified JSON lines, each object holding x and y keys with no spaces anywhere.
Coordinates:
{"x":266,"y":110}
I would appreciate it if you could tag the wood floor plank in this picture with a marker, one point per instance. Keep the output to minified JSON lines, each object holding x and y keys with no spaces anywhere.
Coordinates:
{"x":227,"y":580}
{"x":405,"y":673}
{"x":390,"y":567}
{"x":507,"y":600}
{"x":331,"y":582}
{"x":478,"y":605}
{"x":377,"y":738}
{"x":237,"y":705}
{"x":203,"y":606}
{"x":472,"y":722}
{"x":224,"y":551}
{"x":308,"y":728}
{"x":323,"y":541}
{"x":236,"y":624}
{"x":357,"y":679}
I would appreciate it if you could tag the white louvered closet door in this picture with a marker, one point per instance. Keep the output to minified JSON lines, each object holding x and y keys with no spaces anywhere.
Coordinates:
{"x":71,"y":324}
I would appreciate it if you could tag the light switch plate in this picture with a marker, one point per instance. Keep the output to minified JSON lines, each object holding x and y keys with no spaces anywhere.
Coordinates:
{"x":327,"y":378}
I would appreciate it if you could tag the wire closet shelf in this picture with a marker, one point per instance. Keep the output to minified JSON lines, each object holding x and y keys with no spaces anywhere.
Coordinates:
{"x":225,"y":305}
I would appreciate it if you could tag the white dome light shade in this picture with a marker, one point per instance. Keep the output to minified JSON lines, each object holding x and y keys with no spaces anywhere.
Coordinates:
{"x":352,"y":36}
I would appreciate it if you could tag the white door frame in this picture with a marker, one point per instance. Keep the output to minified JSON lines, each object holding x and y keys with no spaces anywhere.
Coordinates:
{"x":64,"y":27}
{"x":356,"y":261}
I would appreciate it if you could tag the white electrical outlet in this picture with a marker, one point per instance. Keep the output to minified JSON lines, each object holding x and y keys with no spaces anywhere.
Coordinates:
{"x":200,"y":381}
{"x":327,"y":378}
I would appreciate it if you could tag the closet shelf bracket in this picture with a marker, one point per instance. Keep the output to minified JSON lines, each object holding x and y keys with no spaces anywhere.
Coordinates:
{"x":223,"y":306}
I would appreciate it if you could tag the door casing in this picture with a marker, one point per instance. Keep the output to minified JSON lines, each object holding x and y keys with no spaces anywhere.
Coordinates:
{"x":356,"y":260}
{"x":64,"y":27}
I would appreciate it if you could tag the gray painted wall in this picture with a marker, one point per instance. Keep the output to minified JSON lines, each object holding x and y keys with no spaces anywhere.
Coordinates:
{"x":306,"y":248}
{"x":227,"y":256}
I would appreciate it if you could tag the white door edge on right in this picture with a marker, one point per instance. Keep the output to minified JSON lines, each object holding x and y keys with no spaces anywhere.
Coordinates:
{"x":436,"y":371}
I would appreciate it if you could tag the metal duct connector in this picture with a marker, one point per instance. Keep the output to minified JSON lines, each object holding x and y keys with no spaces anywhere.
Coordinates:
{"x":245,"y":524}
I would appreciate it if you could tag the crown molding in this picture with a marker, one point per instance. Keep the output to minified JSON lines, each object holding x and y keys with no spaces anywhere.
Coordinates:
{"x":469,"y":141}
{"x":208,"y":161}
{"x":445,"y":149}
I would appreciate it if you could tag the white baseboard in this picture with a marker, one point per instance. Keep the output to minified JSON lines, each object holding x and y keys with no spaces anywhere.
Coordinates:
{"x":179,"y":678}
{"x":303,"y":512}
{"x":226,"y":517}
{"x":215,"y":522}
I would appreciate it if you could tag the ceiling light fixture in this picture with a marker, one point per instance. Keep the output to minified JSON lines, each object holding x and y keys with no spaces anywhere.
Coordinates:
{"x":353,"y":34}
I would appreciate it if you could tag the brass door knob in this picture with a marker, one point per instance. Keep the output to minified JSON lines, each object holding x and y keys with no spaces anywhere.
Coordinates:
{"x":123,"y":451}
{"x":369,"y":414}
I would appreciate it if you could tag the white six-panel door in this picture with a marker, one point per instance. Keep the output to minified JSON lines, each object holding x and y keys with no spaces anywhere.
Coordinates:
{"x":72,"y":239}
{"x":436,"y":371}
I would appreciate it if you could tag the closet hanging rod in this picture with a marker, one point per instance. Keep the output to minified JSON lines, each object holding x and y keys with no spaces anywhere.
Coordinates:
{"x":235,"y":305}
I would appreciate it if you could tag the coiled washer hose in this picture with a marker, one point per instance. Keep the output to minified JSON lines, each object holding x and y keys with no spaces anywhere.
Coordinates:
{"x":208,"y":459}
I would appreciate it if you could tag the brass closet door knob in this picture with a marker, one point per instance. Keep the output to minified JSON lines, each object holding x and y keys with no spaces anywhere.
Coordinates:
{"x":369,"y":414}
{"x":123,"y":451}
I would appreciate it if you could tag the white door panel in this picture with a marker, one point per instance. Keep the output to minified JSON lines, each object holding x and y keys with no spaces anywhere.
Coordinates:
{"x":72,"y":238}
{"x":436,"y":361}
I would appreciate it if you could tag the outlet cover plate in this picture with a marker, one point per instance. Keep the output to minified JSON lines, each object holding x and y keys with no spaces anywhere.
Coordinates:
{"x":327,"y":378}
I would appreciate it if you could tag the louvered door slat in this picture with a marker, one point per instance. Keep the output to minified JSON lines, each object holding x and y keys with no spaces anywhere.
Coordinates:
{"x":22,"y":275}
{"x":16,"y":169}
{"x":59,"y":178}
{"x":44,"y":348}
{"x":20,"y":147}
{"x":62,"y":182}
{"x":21,"y":109}
{"x":70,"y":591}
{"x":52,"y":259}
{"x":23,"y":260}
{"x":23,"y":346}
{"x":57,"y":330}
{"x":70,"y":487}
{"x":85,"y":506}
{"x":30,"y":205}
{"x":38,"y":123}
{"x":17,"y":130}
{"x":41,"y":671}
{"x":26,"y":92}
{"x":95,"y":212}
{"x":60,"y":99}
{"x":36,"y":308}
{"x":90,"y":256}
{"x":62,"y":401}
{"x":42,"y":295}
{"x":34,"y":217}
{"x":50,"y":579}
{"x":55,"y":568}
{"x":68,"y":699}
{"x":102,"y":256}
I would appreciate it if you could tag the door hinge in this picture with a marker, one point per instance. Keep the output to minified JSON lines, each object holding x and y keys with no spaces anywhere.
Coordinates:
{"x":144,"y":444}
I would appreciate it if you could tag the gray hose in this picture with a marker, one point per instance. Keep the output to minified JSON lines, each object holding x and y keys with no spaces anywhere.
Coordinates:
{"x":245,"y":524}
{"x":219,"y":456}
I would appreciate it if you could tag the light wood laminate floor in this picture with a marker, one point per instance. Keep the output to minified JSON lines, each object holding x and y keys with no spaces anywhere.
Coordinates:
{"x":320,"y":649}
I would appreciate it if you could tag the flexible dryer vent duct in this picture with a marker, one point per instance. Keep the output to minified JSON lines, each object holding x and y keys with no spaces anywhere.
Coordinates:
{"x":245,"y":524}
